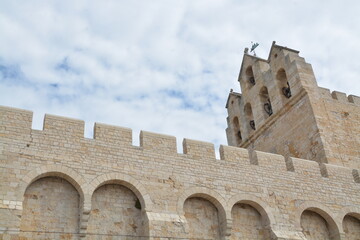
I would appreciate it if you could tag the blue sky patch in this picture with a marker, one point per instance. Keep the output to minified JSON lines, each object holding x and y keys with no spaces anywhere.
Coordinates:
{"x":64,"y":65}
{"x":54,"y":85}
{"x":11,"y":72}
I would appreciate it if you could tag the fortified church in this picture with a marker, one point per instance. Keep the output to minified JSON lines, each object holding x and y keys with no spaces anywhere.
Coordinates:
{"x":291,"y":170}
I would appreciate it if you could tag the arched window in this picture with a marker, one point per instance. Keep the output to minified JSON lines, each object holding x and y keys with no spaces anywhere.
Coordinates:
{"x":237,"y":131}
{"x":283,"y":83}
{"x":249,"y":117}
{"x":265,"y":101}
{"x":250,"y":80}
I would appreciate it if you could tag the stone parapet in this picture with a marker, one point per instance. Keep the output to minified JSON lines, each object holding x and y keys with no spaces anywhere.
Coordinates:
{"x":166,"y":187}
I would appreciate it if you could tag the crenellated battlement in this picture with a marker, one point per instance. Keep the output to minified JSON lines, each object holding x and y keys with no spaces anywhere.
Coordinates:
{"x":112,"y":134}
{"x":339,"y":96}
{"x":63,"y":126}
{"x":16,"y":123}
{"x":291,"y":170}
{"x":159,"y":142}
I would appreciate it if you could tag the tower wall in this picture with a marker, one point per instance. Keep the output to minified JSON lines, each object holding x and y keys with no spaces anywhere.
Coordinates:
{"x":311,"y":123}
{"x":339,"y":124}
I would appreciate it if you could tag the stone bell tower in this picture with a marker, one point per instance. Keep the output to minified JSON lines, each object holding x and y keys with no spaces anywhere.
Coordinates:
{"x":282,"y":110}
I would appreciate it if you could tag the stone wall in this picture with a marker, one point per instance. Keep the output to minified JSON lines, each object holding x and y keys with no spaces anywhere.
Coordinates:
{"x":115,"y":212}
{"x":311,"y":123}
{"x":339,"y":124}
{"x":314,"y":226}
{"x":351,"y":227}
{"x":51,"y":204}
{"x":247,"y":223}
{"x":176,"y":191}
{"x":291,"y":128}
{"x":202,"y":219}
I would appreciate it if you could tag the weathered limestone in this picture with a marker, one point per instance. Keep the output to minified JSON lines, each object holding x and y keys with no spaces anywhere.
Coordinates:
{"x":310,"y":123}
{"x":56,"y":184}
{"x":152,"y":191}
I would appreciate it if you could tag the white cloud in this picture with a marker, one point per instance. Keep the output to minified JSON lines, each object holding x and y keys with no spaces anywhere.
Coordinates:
{"x":163,"y":66}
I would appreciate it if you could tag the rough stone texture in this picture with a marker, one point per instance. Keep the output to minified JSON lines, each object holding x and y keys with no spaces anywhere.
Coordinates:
{"x":51,"y":204}
{"x":351,"y":227}
{"x":312,"y":124}
{"x":340,"y":127}
{"x":114,"y":213}
{"x":314,"y":226}
{"x":108,"y":173}
{"x":247,"y":223}
{"x":202,"y":219}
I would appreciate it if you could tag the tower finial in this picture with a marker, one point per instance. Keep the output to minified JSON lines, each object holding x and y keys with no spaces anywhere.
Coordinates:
{"x":253,"y":46}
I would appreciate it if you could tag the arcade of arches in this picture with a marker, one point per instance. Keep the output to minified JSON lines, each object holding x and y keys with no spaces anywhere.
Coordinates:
{"x":51,"y":210}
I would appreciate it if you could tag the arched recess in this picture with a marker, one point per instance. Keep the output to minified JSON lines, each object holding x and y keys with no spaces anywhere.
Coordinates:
{"x":351,"y":226}
{"x":237,"y":132}
{"x":207,"y":200}
{"x":52,"y":205}
{"x":350,"y":217}
{"x":250,"y":122}
{"x":70,"y":175}
{"x":283,"y":83}
{"x":315,"y":219}
{"x":251,"y":217}
{"x":265,"y":101}
{"x":119,"y":206}
{"x":127,"y":181}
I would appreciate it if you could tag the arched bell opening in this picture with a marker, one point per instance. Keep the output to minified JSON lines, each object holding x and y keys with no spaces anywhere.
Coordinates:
{"x":265,"y":101}
{"x":250,"y":79}
{"x":249,"y":118}
{"x":283,"y":83}
{"x":237,"y":132}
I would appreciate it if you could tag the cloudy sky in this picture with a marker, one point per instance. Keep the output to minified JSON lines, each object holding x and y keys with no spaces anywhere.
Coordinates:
{"x":162,"y":66}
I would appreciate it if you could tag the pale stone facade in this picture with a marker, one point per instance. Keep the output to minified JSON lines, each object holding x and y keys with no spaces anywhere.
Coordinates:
{"x":310,"y":123}
{"x":56,"y":184}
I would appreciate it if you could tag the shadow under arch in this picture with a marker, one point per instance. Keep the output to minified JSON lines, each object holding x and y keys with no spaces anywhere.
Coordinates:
{"x":353,"y":211}
{"x":212,"y":196}
{"x":324,"y":212}
{"x":125,"y":180}
{"x":70,"y":175}
{"x":267,"y":217}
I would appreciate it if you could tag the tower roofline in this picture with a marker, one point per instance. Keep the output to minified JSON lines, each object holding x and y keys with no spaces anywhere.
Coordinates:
{"x":232,"y":94}
{"x":273,"y":46}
